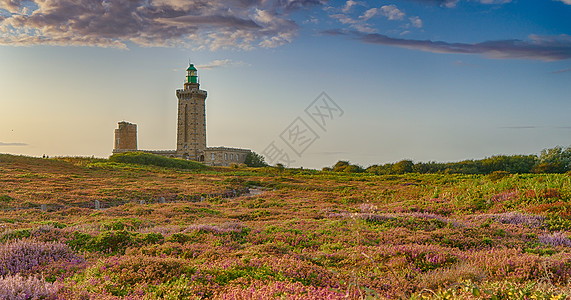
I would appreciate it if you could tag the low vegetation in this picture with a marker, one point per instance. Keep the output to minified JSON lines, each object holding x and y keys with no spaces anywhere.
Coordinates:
{"x":554,"y":160}
{"x":165,"y":232}
{"x":141,"y":158}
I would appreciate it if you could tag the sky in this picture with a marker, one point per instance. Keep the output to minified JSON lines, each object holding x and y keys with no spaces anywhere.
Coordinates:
{"x":305,"y":83}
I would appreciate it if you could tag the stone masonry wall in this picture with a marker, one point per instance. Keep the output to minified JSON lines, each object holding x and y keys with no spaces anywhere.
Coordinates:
{"x":125,"y":137}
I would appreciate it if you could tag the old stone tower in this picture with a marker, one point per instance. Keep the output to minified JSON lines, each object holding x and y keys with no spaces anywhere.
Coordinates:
{"x":126,"y":137}
{"x":191,"y":130}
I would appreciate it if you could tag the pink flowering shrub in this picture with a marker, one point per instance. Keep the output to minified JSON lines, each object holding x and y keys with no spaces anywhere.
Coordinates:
{"x":413,"y":220}
{"x":16,"y":287}
{"x":504,"y":196}
{"x":298,"y":270}
{"x":516,"y":218}
{"x":224,"y":228}
{"x":278,"y":290}
{"x":122,"y":275}
{"x":309,"y":235}
{"x":22,"y":255}
{"x":555,"y":239}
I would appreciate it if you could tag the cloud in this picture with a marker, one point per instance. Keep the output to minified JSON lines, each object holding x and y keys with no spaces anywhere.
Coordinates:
{"x":546,"y":48}
{"x":364,"y":28}
{"x":494,"y":1}
{"x":334,"y":32}
{"x":348,"y":5}
{"x":565,"y":1}
{"x":519,"y":127}
{"x":465,"y":64}
{"x":442,"y":3}
{"x":219,"y":63}
{"x":452,"y":3}
{"x":391,"y":12}
{"x":360,"y":24}
{"x":115,"y":23}
{"x":312,"y":20}
{"x":344,"y":19}
{"x":561,"y":71}
{"x":415,"y":22}
{"x":369,"y":14}
{"x":12,"y":144}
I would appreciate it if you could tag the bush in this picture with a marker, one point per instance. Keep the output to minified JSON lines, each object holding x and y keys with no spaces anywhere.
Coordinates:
{"x":5,"y":198}
{"x":140,"y":158}
{"x":15,"y":234}
{"x":113,"y":241}
{"x":120,"y":275}
{"x":497,"y":175}
{"x":255,"y":160}
{"x":554,"y":160}
{"x":19,"y":288}
{"x":23,"y":255}
{"x":346,"y":167}
{"x":403,"y":166}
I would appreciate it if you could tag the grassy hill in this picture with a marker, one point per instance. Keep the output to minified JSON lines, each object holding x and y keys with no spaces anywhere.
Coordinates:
{"x":168,"y":232}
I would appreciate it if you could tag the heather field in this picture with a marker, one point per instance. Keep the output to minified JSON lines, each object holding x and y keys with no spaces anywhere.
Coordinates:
{"x":275,"y":233}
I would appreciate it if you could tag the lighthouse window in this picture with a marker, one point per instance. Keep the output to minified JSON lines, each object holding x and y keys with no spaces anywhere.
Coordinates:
{"x":225,"y":156}
{"x":232,"y":156}
{"x":211,"y":156}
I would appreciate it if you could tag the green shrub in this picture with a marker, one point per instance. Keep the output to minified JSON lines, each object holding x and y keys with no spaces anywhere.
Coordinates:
{"x":15,"y":235}
{"x":80,"y":241}
{"x":557,"y":223}
{"x":151,"y":238}
{"x":181,"y":238}
{"x":112,"y":241}
{"x":254,"y":159}
{"x":5,"y":198}
{"x":120,"y":276}
{"x":497,"y":175}
{"x":140,"y":158}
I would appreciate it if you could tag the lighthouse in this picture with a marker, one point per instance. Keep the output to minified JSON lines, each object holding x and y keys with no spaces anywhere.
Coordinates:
{"x":191,"y":130}
{"x":191,"y":126}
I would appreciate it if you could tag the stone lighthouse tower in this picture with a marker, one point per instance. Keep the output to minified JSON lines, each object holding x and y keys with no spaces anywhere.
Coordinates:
{"x":191,"y":126}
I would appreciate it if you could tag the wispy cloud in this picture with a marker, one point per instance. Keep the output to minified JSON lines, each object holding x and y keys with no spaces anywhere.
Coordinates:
{"x":12,"y":144}
{"x":546,"y":48}
{"x":443,"y":3}
{"x":359,"y":22}
{"x":452,"y":3}
{"x":565,"y":1}
{"x":214,"y":24}
{"x":519,"y":127}
{"x":220,"y":63}
{"x":369,"y":14}
{"x":334,"y":32}
{"x":494,"y":1}
{"x":561,"y":71}
{"x":534,"y":127}
{"x":465,"y":64}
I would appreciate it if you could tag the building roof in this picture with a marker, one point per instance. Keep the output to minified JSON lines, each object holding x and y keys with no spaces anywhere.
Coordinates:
{"x":226,"y":149}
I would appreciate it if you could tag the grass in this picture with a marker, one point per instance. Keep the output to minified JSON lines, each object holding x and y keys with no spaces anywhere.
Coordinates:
{"x":310,"y":235}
